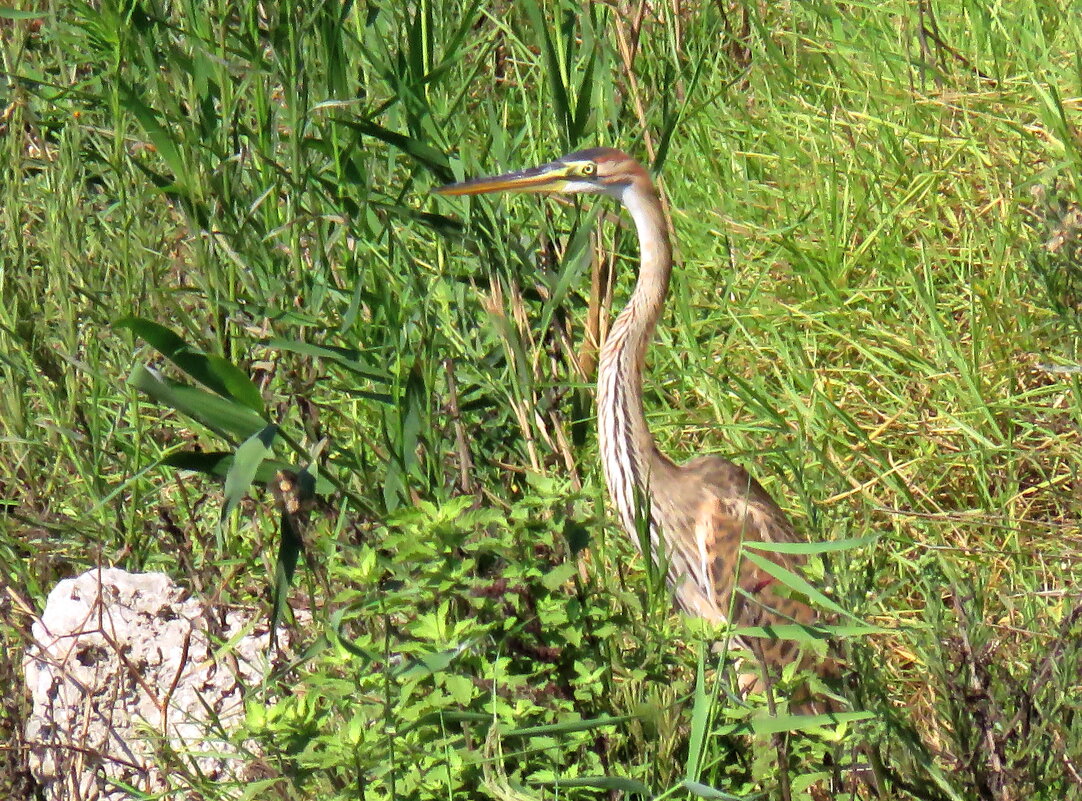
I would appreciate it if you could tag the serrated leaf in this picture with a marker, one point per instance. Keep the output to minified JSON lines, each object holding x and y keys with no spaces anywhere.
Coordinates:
{"x":438,"y":661}
{"x":577,"y":536}
{"x":556,"y":577}
{"x":428,"y":662}
{"x":341,"y":638}
{"x":460,"y":687}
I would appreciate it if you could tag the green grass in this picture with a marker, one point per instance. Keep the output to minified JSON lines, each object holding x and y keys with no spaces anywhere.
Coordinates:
{"x":876,"y":210}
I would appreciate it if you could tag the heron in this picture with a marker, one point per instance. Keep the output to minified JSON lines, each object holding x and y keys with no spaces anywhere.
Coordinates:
{"x":700,"y":514}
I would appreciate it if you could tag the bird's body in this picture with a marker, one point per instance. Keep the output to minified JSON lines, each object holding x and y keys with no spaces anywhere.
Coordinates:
{"x":700,"y":513}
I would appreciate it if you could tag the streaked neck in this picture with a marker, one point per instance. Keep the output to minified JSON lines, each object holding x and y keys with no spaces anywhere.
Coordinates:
{"x":626,"y":445}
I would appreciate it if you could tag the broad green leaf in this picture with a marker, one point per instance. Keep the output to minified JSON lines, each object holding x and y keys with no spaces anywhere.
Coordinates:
{"x":429,"y":662}
{"x":577,"y":536}
{"x":217,"y":463}
{"x":14,"y":13}
{"x":213,"y":372}
{"x":265,"y":788}
{"x":225,"y":417}
{"x":341,"y":638}
{"x":237,"y":385}
{"x":423,"y":153}
{"x":290,"y":547}
{"x":347,"y":357}
{"x":575,"y":260}
{"x":554,"y":70}
{"x":461,"y":688}
{"x":584,"y":105}
{"x":806,"y":780}
{"x":246,"y":462}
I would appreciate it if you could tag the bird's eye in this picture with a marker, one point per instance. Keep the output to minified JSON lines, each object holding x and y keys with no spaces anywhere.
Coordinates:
{"x":589,"y":169}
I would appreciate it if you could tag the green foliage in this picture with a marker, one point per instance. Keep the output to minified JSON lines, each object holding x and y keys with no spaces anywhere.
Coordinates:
{"x":876,"y":307}
{"x":454,"y":653}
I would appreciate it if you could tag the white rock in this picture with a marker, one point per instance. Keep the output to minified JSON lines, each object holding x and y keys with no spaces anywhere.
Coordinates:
{"x":121,"y":666}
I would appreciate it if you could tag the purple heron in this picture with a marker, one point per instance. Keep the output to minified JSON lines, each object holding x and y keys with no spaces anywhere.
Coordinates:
{"x":699,"y":513}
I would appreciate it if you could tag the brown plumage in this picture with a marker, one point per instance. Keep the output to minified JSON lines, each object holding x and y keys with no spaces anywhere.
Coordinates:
{"x":702,"y":511}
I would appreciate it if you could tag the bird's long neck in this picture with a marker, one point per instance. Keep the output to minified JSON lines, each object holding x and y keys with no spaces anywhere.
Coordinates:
{"x":627,"y":447}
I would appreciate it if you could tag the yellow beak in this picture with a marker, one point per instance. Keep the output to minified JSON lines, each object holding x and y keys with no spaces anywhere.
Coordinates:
{"x":546,"y":178}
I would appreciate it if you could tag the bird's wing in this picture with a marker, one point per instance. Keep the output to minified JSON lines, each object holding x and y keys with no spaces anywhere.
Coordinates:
{"x":735,"y":509}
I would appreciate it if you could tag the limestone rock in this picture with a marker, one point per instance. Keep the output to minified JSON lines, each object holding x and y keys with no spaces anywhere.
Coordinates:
{"x":121,"y":667}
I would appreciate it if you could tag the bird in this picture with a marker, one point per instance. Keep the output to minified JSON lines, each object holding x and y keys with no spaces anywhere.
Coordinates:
{"x":699,"y":514}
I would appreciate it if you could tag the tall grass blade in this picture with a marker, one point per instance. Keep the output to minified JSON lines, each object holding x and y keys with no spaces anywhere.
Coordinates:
{"x":763,"y":726}
{"x":798,"y":583}
{"x":611,"y":783}
{"x":569,"y":727}
{"x":701,"y":713}
{"x":164,"y":142}
{"x":811,"y":548}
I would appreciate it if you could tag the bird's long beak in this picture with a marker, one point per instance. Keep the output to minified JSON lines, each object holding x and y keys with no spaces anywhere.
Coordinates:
{"x":546,"y":178}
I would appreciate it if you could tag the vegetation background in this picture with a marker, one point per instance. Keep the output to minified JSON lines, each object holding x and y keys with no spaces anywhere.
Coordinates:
{"x":876,"y":309}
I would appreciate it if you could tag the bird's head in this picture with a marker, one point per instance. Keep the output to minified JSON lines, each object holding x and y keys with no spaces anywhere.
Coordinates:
{"x":600,"y":170}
